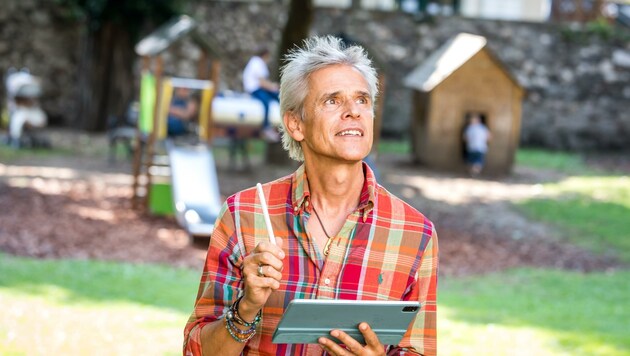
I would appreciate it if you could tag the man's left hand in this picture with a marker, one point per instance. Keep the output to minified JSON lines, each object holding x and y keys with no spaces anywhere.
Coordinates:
{"x":373,"y":346}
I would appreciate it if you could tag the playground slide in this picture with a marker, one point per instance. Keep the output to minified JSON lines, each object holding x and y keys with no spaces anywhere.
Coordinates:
{"x":195,"y":188}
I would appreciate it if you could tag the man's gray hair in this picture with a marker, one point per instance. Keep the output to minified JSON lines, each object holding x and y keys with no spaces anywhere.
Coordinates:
{"x":316,"y":53}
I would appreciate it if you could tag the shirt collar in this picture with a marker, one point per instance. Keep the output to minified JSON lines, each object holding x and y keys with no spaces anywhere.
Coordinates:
{"x":301,"y":194}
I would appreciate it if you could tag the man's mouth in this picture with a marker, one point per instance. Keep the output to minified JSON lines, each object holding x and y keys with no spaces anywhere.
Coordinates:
{"x":352,"y":132}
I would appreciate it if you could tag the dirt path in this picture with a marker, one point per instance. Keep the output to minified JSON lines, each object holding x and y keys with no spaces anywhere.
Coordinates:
{"x":79,"y":207}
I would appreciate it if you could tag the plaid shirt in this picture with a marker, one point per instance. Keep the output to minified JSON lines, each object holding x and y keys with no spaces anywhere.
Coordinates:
{"x":386,"y":250}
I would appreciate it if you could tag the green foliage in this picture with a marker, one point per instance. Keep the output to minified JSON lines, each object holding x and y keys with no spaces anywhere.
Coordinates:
{"x":545,"y":312}
{"x":600,"y":28}
{"x":132,"y":15}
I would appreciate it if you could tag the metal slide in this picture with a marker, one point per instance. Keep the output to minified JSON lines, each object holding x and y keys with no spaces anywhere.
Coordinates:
{"x":195,"y":188}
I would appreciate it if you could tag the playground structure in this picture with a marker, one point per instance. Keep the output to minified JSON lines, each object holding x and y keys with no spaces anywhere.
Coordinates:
{"x":179,"y":176}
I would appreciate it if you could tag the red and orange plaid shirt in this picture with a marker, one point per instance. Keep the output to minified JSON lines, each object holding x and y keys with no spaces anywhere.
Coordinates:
{"x":386,"y":250}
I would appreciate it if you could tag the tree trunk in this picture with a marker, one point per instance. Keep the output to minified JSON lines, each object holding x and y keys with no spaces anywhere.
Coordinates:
{"x":107,"y":83}
{"x":297,"y":27}
{"x":295,"y":31}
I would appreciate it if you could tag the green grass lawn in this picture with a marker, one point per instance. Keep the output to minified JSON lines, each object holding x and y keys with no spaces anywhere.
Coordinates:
{"x":545,"y":159}
{"x":535,"y":312}
{"x":592,"y":207}
{"x":67,"y":307}
{"x":75,"y":307}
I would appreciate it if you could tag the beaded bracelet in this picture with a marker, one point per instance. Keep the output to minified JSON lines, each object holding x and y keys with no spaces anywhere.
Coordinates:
{"x":238,"y":334}
{"x":237,"y":317}
{"x":232,"y":316}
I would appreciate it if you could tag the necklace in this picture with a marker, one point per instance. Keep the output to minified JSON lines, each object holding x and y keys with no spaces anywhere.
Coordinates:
{"x":327,"y":246}
{"x":320,"y":222}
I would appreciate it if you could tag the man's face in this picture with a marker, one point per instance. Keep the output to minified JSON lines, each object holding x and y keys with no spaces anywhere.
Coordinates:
{"x":338,"y":116}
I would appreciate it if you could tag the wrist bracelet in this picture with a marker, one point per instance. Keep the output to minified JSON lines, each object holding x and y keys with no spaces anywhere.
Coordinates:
{"x":239,"y":320}
{"x":238,"y":334}
{"x":232,"y":316}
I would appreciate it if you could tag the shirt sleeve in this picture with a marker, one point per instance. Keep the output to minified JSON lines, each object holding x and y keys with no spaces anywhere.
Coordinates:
{"x":220,"y":281}
{"x":421,"y":338}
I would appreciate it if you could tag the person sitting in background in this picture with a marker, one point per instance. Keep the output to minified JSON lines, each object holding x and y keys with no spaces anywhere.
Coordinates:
{"x":256,"y":82}
{"x":339,"y":234}
{"x":476,"y":137}
{"x":183,"y":109}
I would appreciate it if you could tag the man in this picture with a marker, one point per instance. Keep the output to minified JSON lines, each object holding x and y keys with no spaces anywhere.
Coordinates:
{"x":256,"y":82}
{"x":339,"y":234}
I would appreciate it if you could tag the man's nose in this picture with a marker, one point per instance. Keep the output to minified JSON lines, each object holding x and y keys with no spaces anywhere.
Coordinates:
{"x":352,"y":110}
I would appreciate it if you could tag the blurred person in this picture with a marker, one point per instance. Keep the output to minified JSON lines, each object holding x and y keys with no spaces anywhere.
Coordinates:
{"x":256,"y":82}
{"x":24,"y":112}
{"x":182,"y":110}
{"x":340,"y":235}
{"x":476,"y":136}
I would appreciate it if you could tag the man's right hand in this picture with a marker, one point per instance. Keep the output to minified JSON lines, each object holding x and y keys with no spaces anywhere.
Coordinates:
{"x":258,"y":288}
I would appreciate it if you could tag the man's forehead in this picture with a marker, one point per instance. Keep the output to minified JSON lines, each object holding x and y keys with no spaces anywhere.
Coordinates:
{"x":338,"y":79}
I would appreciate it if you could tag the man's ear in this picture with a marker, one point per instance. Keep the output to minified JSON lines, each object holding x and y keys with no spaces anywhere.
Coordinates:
{"x":294,"y":125}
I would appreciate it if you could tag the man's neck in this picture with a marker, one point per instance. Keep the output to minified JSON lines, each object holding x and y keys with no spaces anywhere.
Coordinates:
{"x":336,"y":189}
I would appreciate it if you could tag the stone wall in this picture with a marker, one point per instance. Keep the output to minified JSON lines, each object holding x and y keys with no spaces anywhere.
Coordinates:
{"x":39,"y":36}
{"x":578,"y":84}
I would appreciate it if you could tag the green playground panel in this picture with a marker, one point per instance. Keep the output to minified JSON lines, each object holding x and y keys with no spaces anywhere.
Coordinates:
{"x":161,"y":199}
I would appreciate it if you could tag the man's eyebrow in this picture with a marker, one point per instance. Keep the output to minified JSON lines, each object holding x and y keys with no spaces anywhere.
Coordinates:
{"x":330,"y":95}
{"x":336,"y":93}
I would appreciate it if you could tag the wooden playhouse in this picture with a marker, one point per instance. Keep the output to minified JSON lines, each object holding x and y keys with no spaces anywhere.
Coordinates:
{"x":461,"y":78}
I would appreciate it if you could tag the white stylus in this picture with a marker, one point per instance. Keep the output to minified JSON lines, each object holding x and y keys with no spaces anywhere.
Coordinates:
{"x":261,"y":196}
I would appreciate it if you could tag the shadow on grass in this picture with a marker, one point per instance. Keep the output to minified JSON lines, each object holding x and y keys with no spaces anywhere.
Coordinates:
{"x":95,"y":282}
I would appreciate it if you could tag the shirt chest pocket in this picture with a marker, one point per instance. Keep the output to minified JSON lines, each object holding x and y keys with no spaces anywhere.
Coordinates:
{"x":375,"y":279}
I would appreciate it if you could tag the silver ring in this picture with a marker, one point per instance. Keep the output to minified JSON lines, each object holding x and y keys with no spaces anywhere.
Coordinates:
{"x":260,"y":271}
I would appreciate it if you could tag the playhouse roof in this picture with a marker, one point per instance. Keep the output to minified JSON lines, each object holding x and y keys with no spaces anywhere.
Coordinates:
{"x":446,"y":60}
{"x":172,"y":31}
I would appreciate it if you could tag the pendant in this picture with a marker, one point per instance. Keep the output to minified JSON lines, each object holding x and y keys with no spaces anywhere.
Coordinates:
{"x":327,"y":247}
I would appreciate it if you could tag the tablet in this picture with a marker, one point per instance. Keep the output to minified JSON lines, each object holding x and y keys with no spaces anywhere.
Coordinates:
{"x":305,"y":320}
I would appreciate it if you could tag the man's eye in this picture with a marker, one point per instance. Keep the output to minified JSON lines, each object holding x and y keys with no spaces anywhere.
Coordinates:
{"x":331,"y":101}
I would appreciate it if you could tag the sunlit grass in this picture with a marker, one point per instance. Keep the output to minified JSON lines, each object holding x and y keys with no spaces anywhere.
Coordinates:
{"x":592,"y":207}
{"x":593,"y":210}
{"x":87,"y":307}
{"x":535,"y":312}
{"x":92,"y":308}
{"x":545,"y":159}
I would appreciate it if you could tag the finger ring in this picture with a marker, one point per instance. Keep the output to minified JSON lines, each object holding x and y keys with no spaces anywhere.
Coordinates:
{"x":260,"y":271}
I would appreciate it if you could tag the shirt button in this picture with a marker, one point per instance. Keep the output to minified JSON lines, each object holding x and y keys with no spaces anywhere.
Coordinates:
{"x":327,"y":281}
{"x":306,"y":203}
